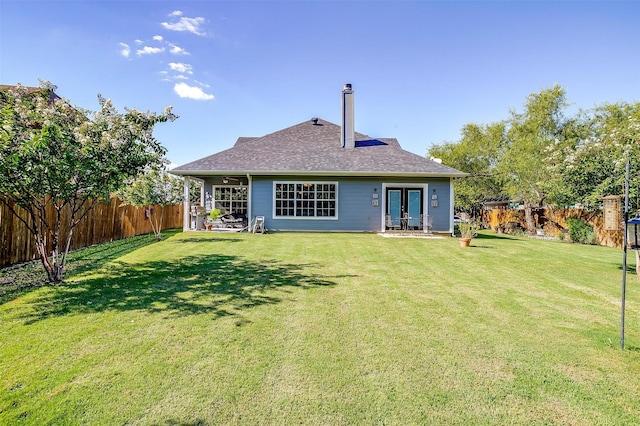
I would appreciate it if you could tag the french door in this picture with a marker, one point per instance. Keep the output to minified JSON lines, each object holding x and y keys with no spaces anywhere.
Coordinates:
{"x":404,"y":207}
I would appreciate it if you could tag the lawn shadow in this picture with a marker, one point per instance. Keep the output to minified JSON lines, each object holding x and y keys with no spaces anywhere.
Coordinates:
{"x":173,"y":422}
{"x":631,"y":269}
{"x":479,"y":246}
{"x":203,"y":239}
{"x":19,"y":279}
{"x":476,"y":242}
{"x":485,"y":236}
{"x":218,"y":285}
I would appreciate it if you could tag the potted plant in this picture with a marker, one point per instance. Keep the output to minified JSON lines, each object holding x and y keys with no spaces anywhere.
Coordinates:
{"x":468,"y":230}
{"x":213,"y":216}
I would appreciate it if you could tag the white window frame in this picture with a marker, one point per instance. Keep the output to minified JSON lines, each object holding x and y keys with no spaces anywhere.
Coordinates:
{"x":295,"y":199}
{"x":232,"y":201}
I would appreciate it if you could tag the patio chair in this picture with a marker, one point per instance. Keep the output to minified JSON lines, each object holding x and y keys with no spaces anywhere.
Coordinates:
{"x":389,"y":223}
{"x":258,"y":225}
{"x":426,"y":223}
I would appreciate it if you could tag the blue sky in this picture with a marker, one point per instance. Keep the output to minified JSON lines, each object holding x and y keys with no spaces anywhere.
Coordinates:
{"x":420,"y":70}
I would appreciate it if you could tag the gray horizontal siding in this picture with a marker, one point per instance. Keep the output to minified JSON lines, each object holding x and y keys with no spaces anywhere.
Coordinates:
{"x":355,"y":210}
{"x":441,"y":215}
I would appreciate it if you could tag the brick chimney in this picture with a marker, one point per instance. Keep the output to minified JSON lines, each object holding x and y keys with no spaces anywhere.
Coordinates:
{"x":347,"y":135}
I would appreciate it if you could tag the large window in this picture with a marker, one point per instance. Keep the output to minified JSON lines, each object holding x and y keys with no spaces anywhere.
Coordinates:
{"x":305,"y":199}
{"x":231,"y":199}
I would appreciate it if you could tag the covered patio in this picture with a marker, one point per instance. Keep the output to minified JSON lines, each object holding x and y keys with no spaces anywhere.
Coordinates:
{"x":228,"y":196}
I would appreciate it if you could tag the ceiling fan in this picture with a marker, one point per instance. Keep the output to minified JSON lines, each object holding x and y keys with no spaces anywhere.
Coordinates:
{"x":226,"y":179}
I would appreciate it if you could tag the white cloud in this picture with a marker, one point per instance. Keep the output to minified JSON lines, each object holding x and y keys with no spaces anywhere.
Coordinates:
{"x":176,"y":13}
{"x":148,"y":50}
{"x":138,"y":41}
{"x":201,"y":83}
{"x":180,"y":67}
{"x":185,"y":91}
{"x":181,"y":77}
{"x":157,"y":38}
{"x":192,"y":25}
{"x":177,"y":50}
{"x":125,"y":50}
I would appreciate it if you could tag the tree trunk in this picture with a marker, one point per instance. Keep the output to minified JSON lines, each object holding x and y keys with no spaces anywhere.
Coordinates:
{"x":42,"y":252}
{"x":53,"y":267}
{"x":529,"y":220}
{"x":153,"y":221}
{"x":61,"y":262}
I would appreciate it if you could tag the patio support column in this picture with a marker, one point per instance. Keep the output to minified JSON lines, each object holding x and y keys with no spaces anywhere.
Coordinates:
{"x":187,"y":207}
{"x":249,"y":188}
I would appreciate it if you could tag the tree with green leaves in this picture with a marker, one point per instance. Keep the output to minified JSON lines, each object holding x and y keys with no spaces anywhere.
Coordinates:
{"x":153,"y":188}
{"x":54,"y":155}
{"x":476,"y":153}
{"x":529,"y":137}
{"x":594,"y":166}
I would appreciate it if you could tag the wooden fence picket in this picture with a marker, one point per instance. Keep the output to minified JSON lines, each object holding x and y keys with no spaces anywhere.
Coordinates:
{"x":105,"y":222}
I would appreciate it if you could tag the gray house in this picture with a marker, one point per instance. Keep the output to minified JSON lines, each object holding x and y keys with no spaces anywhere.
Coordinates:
{"x":318,"y":176}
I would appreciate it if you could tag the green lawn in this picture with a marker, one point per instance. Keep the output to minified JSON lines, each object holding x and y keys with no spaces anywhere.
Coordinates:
{"x":324,"y":329}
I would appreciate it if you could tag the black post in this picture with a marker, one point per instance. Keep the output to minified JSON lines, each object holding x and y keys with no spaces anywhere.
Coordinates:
{"x":624,"y":250}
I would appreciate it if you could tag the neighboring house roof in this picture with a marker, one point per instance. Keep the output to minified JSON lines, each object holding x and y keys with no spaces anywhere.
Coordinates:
{"x":52,"y":95}
{"x":314,"y":148}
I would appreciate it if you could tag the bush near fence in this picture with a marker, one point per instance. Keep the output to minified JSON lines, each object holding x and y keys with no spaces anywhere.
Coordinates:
{"x":553,"y":223}
{"x":105,"y":222}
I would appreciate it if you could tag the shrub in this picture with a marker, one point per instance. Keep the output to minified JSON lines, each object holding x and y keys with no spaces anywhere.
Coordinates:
{"x":580,"y":231}
{"x":468,"y":229}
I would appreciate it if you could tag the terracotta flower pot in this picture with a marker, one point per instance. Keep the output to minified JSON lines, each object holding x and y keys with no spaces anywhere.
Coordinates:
{"x":464,"y":242}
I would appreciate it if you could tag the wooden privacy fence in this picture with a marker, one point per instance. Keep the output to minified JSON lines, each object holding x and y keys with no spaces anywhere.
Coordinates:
{"x":553,"y":222}
{"x":105,"y":222}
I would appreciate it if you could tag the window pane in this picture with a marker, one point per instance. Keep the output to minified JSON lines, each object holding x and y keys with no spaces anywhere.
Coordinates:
{"x":305,"y":199}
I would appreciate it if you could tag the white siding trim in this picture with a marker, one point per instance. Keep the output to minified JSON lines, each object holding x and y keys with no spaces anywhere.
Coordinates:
{"x":451,"y":206}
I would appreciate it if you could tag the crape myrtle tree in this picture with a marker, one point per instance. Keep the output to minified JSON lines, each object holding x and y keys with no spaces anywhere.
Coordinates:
{"x":594,"y":166}
{"x":476,"y":153}
{"x":56,"y":156}
{"x":154,"y":187}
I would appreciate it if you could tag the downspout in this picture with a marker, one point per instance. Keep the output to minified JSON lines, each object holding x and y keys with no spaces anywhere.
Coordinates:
{"x":451,"y":207}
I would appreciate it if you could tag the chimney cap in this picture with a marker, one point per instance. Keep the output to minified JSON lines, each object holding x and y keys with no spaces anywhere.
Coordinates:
{"x":314,"y":120}
{"x":347,"y":86}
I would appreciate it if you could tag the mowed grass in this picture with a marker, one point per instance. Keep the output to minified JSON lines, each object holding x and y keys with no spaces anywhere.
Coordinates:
{"x":325,"y":329}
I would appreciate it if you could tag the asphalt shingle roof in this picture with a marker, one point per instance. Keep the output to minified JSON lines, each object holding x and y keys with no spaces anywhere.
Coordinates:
{"x":315,"y":149}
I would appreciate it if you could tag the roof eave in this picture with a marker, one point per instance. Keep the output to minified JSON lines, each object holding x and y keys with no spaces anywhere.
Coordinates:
{"x":313,"y":173}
